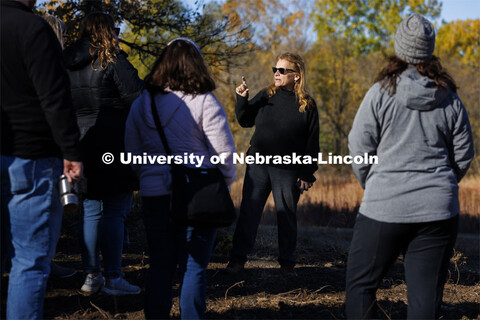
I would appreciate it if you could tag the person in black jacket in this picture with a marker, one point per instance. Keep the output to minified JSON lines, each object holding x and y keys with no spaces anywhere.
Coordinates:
{"x":38,"y":129}
{"x":286,"y":123}
{"x":104,"y":85}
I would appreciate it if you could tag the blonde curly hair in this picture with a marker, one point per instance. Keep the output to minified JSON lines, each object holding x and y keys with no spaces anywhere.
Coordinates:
{"x":304,"y":99}
{"x":99,"y":27}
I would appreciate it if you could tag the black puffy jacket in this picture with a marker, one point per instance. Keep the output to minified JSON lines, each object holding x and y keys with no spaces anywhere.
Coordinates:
{"x":102,"y":99}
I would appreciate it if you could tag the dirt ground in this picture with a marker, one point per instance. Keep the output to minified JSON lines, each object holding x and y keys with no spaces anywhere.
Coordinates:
{"x":261,"y":292}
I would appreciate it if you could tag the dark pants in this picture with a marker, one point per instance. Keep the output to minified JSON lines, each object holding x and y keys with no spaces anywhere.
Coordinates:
{"x":168,"y":246}
{"x":427,"y":248}
{"x":259,"y":181}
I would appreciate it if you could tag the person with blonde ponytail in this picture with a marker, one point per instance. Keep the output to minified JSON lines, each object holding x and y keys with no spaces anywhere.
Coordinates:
{"x":285,"y":117}
{"x":104,"y":85}
{"x":58,"y":26}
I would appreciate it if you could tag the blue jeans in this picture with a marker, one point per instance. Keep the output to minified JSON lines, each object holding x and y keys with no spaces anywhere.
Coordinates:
{"x":260,"y":181}
{"x":427,"y":248}
{"x":168,"y":246}
{"x":102,"y":229}
{"x":31,"y":206}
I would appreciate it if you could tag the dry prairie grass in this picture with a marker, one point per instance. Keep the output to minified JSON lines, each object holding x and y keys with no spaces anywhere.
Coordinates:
{"x":469,"y":194}
{"x":335,"y":198}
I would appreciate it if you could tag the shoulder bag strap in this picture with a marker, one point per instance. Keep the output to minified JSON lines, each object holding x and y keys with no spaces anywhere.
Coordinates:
{"x":156,"y":118}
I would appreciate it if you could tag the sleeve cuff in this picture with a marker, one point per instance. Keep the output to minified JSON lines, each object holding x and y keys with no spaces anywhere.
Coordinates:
{"x":307,"y":176}
{"x":72,"y":157}
{"x":239,"y":97}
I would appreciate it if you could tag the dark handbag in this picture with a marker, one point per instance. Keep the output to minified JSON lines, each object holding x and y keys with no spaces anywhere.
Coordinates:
{"x":200,"y":197}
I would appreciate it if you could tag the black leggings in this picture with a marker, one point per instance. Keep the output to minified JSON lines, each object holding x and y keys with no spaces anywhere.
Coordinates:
{"x":427,"y":248}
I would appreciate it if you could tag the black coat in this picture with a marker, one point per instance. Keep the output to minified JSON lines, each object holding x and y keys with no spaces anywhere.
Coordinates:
{"x":37,"y":118}
{"x":102,"y":99}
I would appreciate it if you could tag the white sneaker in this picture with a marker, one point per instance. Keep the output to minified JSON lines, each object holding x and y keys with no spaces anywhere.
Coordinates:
{"x":120,"y":287}
{"x":93,"y":283}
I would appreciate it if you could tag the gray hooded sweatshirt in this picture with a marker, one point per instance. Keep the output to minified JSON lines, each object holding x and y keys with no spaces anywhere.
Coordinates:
{"x":424,"y":144}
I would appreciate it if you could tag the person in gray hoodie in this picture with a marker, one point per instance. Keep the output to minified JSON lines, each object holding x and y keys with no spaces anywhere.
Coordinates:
{"x":414,"y":121}
{"x":195,"y":124}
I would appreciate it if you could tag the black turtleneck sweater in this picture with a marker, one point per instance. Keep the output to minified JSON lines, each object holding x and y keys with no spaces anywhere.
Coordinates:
{"x":280,"y":128}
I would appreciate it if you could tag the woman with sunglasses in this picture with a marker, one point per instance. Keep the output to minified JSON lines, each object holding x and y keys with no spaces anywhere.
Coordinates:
{"x":286,"y":122}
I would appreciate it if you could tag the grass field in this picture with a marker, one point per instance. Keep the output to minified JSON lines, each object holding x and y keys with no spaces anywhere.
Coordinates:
{"x":262,"y":291}
{"x":334,"y":201}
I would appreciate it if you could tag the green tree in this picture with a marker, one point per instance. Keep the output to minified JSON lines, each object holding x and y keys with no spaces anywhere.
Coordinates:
{"x":339,"y":80}
{"x":367,"y":24}
{"x":460,"y":39}
{"x":457,"y":45}
{"x":353,"y":38}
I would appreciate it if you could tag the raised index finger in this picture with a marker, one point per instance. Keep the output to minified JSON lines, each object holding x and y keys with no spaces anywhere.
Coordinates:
{"x":244,"y":82}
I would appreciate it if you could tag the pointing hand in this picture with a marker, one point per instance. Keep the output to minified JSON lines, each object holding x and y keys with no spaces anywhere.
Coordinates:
{"x":242,"y":89}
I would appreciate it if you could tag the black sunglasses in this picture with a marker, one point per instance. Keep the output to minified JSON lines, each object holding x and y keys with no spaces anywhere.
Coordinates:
{"x":282,"y":70}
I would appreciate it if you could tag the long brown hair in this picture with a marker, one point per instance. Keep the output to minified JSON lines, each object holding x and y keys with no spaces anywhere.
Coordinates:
{"x":99,"y":27}
{"x":301,"y":93}
{"x":180,"y":67}
{"x":432,"y":69}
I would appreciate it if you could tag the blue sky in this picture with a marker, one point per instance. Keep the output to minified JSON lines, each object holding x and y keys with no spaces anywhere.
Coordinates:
{"x":460,"y":9}
{"x":451,"y":9}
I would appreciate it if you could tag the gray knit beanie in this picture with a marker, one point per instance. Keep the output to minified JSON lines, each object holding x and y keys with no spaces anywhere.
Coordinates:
{"x":415,"y":40}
